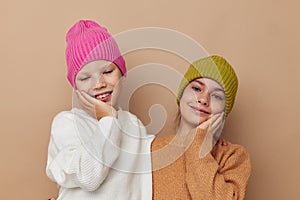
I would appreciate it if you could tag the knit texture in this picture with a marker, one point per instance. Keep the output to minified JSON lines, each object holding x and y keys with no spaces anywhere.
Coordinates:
{"x":216,"y":68}
{"x":87,"y":41}
{"x":223,"y":174}
{"x":92,"y":160}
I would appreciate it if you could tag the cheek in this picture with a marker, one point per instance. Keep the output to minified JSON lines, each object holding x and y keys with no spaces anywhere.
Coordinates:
{"x":217,"y":107}
{"x":114,"y":79}
{"x":116,"y":85}
{"x":181,"y":109}
{"x":77,"y":85}
{"x":115,"y":82}
{"x":83,"y":86}
{"x":188,"y":96}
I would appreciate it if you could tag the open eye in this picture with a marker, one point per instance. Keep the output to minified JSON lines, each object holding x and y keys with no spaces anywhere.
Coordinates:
{"x":218,"y":97}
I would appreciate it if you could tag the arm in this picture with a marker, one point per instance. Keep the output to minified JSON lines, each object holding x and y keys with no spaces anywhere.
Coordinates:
{"x":220,"y":175}
{"x":81,"y":152}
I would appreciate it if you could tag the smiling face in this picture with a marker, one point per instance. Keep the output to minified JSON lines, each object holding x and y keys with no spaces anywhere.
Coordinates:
{"x":100,"y":79}
{"x":201,"y":98}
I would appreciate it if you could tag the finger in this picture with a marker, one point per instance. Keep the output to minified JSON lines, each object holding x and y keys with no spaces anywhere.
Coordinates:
{"x":83,"y":101}
{"x":220,"y":142}
{"x":222,"y":116}
{"x":217,"y":120}
{"x":88,"y":98}
{"x":205,"y":124}
{"x":217,"y":116}
{"x":103,"y":109}
{"x":92,"y":101}
{"x":224,"y":142}
{"x":209,"y":121}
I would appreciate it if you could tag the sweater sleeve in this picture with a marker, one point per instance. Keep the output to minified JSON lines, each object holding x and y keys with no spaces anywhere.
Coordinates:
{"x":221,"y":175}
{"x":80,"y":153}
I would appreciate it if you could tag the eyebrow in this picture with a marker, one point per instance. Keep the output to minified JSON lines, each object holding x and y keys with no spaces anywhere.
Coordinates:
{"x":200,"y":82}
{"x":83,"y":74}
{"x":213,"y":89}
{"x":108,"y":66}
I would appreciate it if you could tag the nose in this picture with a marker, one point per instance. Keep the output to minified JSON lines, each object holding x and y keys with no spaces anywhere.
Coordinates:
{"x":204,"y":98}
{"x":100,"y":82}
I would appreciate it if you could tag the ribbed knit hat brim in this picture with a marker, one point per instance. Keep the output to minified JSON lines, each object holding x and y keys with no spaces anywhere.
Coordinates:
{"x":87,"y":41}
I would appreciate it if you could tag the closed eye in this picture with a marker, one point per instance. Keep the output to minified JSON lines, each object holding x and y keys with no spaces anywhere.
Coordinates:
{"x":84,"y":78}
{"x":196,"y":89}
{"x":108,"y":72}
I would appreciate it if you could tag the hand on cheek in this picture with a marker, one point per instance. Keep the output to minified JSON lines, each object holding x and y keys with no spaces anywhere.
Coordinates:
{"x":214,"y":126}
{"x":94,"y":107}
{"x":212,"y":121}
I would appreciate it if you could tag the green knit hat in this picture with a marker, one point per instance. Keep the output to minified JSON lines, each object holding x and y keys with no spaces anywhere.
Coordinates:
{"x":215,"y":68}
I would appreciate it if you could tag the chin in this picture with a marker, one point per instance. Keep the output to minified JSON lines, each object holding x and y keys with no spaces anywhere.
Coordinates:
{"x":202,"y":120}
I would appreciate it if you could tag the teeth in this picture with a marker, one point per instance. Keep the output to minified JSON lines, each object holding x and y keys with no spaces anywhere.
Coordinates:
{"x":102,"y":95}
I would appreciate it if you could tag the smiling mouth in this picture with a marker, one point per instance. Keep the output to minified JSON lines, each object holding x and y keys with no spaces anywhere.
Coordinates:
{"x":200,"y":110}
{"x":205,"y":112}
{"x":103,"y":96}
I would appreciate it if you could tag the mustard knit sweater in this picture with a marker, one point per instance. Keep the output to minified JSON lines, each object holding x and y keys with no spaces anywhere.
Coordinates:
{"x":179,"y":173}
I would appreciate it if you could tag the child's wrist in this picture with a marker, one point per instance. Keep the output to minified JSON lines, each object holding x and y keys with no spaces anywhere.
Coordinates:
{"x":113,"y":113}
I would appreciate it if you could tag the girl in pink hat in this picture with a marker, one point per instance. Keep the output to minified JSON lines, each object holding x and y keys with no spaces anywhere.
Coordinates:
{"x":97,"y":151}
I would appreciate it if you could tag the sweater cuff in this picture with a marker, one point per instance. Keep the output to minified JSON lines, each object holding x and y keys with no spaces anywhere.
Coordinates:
{"x":193,"y":143}
{"x":109,"y":125}
{"x":192,"y":154}
{"x":105,"y":143}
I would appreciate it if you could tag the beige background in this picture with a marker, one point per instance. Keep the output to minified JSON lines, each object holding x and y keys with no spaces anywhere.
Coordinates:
{"x":259,"y":38}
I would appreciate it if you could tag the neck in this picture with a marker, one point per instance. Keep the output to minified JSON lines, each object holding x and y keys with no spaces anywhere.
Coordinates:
{"x":184,"y":128}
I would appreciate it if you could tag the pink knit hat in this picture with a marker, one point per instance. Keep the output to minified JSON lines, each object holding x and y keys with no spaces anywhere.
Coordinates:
{"x":87,"y":41}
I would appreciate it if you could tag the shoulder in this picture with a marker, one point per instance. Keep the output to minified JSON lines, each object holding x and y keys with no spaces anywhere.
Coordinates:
{"x":234,"y":153}
{"x":161,"y":141}
{"x":127,"y":118}
{"x":74,"y":114}
{"x":229,"y":148}
{"x":125,"y":115}
{"x":63,"y":116}
{"x":64,"y":129}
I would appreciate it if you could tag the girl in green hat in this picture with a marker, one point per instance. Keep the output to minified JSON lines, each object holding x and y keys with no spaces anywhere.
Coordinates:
{"x":197,"y":166}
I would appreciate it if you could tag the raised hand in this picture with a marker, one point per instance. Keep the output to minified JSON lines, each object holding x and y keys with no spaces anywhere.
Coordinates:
{"x":94,"y":107}
{"x":214,"y":126}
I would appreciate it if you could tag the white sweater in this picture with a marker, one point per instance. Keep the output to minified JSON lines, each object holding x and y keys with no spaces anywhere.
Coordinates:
{"x":105,"y":159}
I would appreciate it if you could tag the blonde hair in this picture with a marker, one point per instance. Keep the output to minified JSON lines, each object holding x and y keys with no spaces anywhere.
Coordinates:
{"x":177,"y":118}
